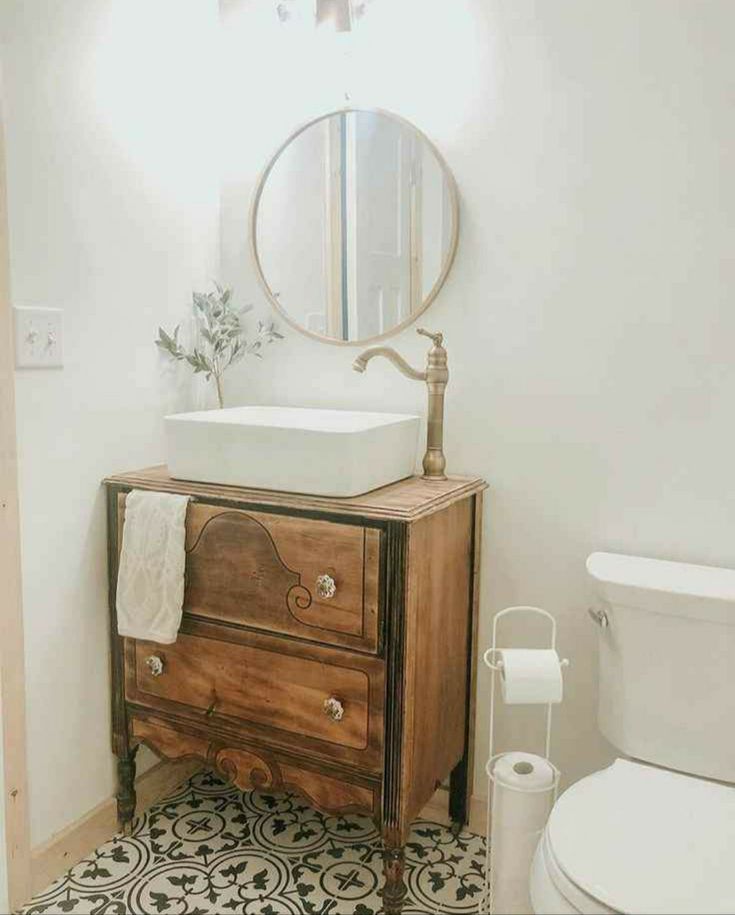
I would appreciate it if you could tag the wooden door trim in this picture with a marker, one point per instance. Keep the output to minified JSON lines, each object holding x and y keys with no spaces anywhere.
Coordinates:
{"x":12,"y":666}
{"x":334,"y":253}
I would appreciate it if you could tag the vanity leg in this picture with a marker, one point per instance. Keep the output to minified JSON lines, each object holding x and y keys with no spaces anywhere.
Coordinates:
{"x":126,"y":791}
{"x":459,"y":795}
{"x":394,"y":889}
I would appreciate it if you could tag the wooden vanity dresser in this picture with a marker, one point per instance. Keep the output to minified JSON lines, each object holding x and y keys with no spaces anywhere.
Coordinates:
{"x":327,"y":647}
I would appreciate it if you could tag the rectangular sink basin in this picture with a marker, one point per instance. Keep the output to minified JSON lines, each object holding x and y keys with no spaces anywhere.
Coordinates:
{"x":293,"y":449}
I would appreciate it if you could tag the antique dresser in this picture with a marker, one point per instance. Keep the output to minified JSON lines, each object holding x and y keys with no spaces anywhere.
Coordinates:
{"x":327,"y":647}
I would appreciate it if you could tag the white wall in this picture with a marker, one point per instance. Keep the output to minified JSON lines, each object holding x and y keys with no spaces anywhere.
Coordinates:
{"x":113,"y":217}
{"x":588,"y":317}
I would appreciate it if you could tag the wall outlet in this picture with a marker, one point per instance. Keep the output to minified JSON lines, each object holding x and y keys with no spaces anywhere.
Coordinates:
{"x":38,"y":338}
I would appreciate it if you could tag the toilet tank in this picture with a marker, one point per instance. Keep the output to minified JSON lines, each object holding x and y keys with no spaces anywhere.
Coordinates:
{"x":667,"y":662}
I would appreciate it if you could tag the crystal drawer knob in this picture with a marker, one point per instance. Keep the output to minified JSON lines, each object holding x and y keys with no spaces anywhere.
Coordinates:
{"x":154,"y":665}
{"x":326,"y":587}
{"x":334,"y":709}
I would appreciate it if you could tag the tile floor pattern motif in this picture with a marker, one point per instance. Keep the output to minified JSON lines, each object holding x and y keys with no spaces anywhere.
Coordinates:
{"x":214,"y":849}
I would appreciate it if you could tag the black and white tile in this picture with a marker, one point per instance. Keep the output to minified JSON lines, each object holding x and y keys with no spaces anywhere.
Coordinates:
{"x":214,"y":849}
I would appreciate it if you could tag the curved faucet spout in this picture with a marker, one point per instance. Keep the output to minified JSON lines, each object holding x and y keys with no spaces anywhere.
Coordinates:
{"x":360,"y":364}
{"x":436,"y":377}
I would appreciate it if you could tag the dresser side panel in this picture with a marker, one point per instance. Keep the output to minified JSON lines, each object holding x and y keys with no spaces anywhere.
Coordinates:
{"x":438,"y":617}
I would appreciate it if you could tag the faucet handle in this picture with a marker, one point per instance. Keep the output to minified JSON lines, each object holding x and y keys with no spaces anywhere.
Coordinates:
{"x":437,"y":338}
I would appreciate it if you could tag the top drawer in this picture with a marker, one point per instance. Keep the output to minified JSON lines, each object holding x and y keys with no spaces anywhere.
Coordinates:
{"x":312,"y":579}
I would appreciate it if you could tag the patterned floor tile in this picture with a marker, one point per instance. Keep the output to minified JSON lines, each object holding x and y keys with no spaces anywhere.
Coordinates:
{"x":214,"y":849}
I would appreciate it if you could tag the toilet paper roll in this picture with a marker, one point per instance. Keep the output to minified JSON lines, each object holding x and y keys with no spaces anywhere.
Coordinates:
{"x":523,"y":795}
{"x":530,"y":676}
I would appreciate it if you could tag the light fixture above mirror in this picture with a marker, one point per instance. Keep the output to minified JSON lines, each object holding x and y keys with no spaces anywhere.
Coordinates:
{"x":354,"y":226}
{"x":339,"y":15}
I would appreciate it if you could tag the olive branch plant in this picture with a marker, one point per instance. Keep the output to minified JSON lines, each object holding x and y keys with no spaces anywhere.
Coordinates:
{"x":220,"y":327}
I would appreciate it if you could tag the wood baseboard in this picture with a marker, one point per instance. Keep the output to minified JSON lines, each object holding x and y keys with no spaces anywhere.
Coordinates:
{"x":68,"y":847}
{"x":438,"y":810}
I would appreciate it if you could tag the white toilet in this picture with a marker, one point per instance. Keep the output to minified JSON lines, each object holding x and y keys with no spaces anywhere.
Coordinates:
{"x":638,"y":837}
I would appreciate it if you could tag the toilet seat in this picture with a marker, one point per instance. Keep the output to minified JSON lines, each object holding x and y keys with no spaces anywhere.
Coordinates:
{"x":633,"y":838}
{"x":553,"y":893}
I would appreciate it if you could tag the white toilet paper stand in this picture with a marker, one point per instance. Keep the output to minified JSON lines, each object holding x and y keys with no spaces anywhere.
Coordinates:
{"x":496,"y":665}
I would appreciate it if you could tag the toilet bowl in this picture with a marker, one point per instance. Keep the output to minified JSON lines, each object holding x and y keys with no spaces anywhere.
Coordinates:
{"x":653,"y":833}
{"x":638,"y":839}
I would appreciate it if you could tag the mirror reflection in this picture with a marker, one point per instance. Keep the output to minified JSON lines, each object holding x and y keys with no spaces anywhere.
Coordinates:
{"x":354,"y":226}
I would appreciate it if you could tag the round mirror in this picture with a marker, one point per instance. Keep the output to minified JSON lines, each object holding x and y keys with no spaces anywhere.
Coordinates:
{"x":354,"y":226}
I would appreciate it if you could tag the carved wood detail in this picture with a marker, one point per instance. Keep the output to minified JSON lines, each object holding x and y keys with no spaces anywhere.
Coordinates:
{"x":394,"y":828}
{"x":260,"y":770}
{"x":248,"y":566}
{"x":261,"y":570}
{"x":395,"y":890}
{"x":244,"y":768}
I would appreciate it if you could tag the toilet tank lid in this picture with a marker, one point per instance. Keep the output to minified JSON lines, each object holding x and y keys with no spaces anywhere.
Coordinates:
{"x":663,"y":576}
{"x":642,"y":839}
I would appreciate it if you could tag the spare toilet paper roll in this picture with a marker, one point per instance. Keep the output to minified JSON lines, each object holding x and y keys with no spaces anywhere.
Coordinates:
{"x":523,"y":794}
{"x":530,"y":676}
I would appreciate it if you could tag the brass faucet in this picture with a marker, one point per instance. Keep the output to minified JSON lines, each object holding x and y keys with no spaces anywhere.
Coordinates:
{"x":436,"y":377}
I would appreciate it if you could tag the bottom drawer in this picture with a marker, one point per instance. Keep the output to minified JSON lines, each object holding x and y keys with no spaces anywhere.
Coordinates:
{"x":251,"y":767}
{"x":295,"y":696}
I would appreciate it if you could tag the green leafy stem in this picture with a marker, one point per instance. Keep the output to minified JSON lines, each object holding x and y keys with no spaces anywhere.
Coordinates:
{"x":223,"y":337}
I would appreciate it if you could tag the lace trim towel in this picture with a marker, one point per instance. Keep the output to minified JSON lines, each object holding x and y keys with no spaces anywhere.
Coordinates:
{"x":150,"y":579}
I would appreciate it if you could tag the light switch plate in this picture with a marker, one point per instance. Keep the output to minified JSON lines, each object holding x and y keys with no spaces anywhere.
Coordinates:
{"x":38,"y":338}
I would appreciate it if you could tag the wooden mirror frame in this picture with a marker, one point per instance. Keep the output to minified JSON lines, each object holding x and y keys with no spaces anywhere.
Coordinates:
{"x":448,"y":260}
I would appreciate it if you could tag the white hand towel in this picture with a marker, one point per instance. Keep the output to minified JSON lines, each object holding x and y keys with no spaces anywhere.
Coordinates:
{"x":150,"y":579}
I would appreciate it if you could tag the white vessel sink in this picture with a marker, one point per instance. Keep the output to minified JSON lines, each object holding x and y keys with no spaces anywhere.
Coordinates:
{"x":319,"y":452}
